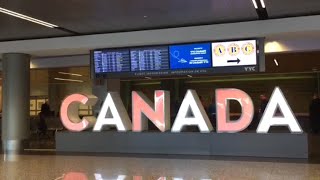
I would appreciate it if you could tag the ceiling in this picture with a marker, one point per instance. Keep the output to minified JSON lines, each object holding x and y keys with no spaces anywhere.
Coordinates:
{"x":85,"y":17}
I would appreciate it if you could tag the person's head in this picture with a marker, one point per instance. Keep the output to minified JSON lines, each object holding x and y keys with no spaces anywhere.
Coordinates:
{"x":201,"y":99}
{"x":315,"y":96}
{"x":263,"y":97}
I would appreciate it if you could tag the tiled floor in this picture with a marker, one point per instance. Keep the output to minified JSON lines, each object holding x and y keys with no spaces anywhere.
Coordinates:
{"x":54,"y":167}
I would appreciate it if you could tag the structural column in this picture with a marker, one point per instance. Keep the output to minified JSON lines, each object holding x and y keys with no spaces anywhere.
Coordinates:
{"x":16,"y":105}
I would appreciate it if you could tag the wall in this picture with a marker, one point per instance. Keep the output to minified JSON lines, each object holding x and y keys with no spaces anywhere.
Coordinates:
{"x":297,"y":88}
{"x":39,"y":83}
{"x":44,"y":84}
{"x":293,"y":62}
{"x":298,"y":92}
{"x":1,"y":99}
{"x":57,"y":92}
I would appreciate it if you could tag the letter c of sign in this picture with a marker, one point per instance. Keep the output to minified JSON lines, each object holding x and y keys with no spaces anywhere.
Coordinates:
{"x":69,"y":112}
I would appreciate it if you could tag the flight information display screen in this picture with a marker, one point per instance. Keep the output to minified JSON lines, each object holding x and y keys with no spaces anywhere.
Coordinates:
{"x":190,"y":56}
{"x":149,"y":58}
{"x":106,"y":61}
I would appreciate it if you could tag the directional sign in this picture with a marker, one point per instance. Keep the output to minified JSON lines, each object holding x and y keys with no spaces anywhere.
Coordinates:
{"x":234,"y":53}
{"x":234,"y":61}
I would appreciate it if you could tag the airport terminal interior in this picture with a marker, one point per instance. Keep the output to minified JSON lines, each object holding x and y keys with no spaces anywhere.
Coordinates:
{"x":54,"y":53}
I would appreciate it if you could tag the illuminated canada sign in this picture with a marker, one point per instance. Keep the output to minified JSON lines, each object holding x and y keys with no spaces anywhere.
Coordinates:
{"x":113,"y":112}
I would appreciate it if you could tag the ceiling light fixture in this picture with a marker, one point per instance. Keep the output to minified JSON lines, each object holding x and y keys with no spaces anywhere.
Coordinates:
{"x":263,"y":4}
{"x":28,"y":18}
{"x":189,"y":76}
{"x":276,"y":62}
{"x":72,"y":80}
{"x":255,"y":4}
{"x":71,"y":74}
{"x":145,"y":16}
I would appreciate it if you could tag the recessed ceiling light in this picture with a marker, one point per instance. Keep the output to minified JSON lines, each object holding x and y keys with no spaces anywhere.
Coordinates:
{"x":263,"y":4}
{"x":28,"y":18}
{"x":71,"y":74}
{"x":255,"y":4}
{"x":72,"y":80}
{"x":276,"y":62}
{"x":145,"y":16}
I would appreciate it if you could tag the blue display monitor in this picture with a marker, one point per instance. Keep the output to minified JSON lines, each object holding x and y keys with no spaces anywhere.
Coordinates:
{"x":190,"y":56}
{"x":149,"y":58}
{"x":111,"y":61}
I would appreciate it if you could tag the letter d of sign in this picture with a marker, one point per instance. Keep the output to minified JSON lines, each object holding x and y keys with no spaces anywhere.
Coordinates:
{"x":223,"y":96}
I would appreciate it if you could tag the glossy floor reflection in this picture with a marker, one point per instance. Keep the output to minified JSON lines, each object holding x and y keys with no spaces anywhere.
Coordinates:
{"x":55,"y":167}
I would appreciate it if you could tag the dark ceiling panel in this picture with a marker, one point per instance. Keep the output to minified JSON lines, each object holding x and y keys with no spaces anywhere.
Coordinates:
{"x":97,"y":16}
{"x":102,"y":16}
{"x":14,"y":28}
{"x":285,"y":8}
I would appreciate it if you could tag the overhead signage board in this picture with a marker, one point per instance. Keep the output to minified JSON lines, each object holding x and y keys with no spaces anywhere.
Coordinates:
{"x":234,"y":53}
{"x":205,"y":58}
